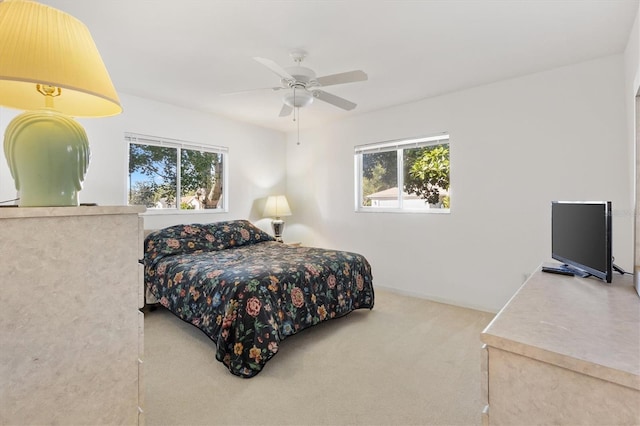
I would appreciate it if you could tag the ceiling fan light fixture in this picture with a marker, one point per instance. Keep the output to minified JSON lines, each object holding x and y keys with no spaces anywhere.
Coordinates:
{"x":299,"y":99}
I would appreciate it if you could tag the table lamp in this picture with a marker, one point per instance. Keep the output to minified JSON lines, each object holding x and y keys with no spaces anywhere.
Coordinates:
{"x":276,"y":207}
{"x":49,"y":66}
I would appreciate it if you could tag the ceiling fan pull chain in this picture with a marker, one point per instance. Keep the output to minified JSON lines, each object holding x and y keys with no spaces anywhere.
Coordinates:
{"x":298,"y":111}
{"x":294,"y":104}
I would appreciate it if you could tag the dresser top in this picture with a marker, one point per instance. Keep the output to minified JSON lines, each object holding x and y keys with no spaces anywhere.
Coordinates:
{"x":33,"y":212}
{"x":582,"y":324}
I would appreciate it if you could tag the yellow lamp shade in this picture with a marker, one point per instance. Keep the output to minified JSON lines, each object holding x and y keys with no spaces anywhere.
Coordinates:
{"x":42,"y":45}
{"x":49,"y":66}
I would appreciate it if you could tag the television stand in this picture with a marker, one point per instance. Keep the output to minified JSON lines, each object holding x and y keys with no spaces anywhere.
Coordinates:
{"x":618,"y":269}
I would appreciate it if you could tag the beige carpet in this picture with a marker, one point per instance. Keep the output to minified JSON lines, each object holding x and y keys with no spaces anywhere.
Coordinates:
{"x":408,"y":361}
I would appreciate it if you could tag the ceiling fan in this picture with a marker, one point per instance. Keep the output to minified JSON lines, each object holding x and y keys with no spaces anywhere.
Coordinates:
{"x":304,"y":86}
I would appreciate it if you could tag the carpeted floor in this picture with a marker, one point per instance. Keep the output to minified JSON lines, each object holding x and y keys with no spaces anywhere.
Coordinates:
{"x":408,"y":361}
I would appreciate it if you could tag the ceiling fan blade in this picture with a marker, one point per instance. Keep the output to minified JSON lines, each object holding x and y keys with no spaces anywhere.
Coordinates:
{"x":239,"y":92}
{"x":286,"y":110}
{"x":334,"y":100}
{"x":343,"y":77}
{"x":275,"y":68}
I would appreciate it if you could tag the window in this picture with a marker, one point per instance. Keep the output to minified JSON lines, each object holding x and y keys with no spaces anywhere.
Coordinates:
{"x":169,"y":174}
{"x":419,"y":166}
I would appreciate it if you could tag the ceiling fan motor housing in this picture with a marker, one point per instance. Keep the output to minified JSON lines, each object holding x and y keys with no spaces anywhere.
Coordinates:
{"x":302,"y":74}
{"x":304,"y":78}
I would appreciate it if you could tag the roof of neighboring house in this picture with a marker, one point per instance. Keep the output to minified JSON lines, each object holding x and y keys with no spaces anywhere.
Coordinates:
{"x":391,"y":194}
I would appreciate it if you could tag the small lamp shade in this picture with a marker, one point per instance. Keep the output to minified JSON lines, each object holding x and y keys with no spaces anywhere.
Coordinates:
{"x":277,"y":206}
{"x":42,"y":45}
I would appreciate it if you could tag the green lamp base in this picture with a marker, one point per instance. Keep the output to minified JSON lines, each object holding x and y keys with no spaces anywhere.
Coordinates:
{"x":48,"y":156}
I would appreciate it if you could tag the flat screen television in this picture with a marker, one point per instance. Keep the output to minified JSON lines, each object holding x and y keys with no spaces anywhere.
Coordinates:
{"x":581,"y":237}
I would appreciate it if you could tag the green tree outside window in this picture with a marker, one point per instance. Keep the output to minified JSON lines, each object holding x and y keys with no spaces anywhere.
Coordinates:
{"x":153,"y":177}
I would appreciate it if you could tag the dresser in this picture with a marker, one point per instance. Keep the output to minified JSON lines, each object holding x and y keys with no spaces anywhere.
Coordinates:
{"x":564,"y":350}
{"x":71,"y":333}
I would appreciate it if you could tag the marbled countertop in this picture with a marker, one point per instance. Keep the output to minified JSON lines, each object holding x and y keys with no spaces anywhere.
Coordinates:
{"x":582,"y":324}
{"x":8,"y":212}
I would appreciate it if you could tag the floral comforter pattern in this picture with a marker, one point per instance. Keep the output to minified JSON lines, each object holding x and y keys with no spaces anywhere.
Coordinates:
{"x":250,"y":295}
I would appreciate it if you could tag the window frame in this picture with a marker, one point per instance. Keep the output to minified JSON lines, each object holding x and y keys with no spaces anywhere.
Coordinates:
{"x":397,"y":145}
{"x":179,"y":145}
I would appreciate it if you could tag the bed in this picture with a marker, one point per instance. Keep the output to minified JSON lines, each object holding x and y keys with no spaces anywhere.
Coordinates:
{"x":248,"y":292}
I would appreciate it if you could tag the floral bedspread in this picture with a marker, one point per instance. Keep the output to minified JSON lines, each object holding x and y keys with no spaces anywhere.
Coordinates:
{"x":248,"y":292}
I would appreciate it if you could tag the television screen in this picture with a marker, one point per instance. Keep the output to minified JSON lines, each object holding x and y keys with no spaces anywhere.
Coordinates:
{"x":581,"y":237}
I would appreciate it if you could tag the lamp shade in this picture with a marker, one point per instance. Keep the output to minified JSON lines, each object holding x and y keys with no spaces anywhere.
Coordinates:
{"x":298,"y":99}
{"x":277,"y":206}
{"x":42,"y":45}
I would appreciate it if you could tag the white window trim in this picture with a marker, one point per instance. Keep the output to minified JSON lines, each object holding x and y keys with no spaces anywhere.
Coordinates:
{"x":175,"y":143}
{"x":394,"y":145}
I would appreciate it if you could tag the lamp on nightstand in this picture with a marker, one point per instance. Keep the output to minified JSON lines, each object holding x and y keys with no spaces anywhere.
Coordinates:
{"x":49,"y":66}
{"x":276,"y":207}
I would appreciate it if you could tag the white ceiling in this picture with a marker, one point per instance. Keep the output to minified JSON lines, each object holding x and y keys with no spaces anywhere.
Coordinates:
{"x":192,"y":52}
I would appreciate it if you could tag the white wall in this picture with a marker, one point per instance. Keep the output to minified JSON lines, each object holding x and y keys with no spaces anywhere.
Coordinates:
{"x":632,"y":87}
{"x":256,"y":157}
{"x":556,"y":135}
{"x":7,"y":190}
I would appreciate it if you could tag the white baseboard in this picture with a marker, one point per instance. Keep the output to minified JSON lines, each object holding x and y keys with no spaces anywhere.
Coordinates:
{"x":436,"y":299}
